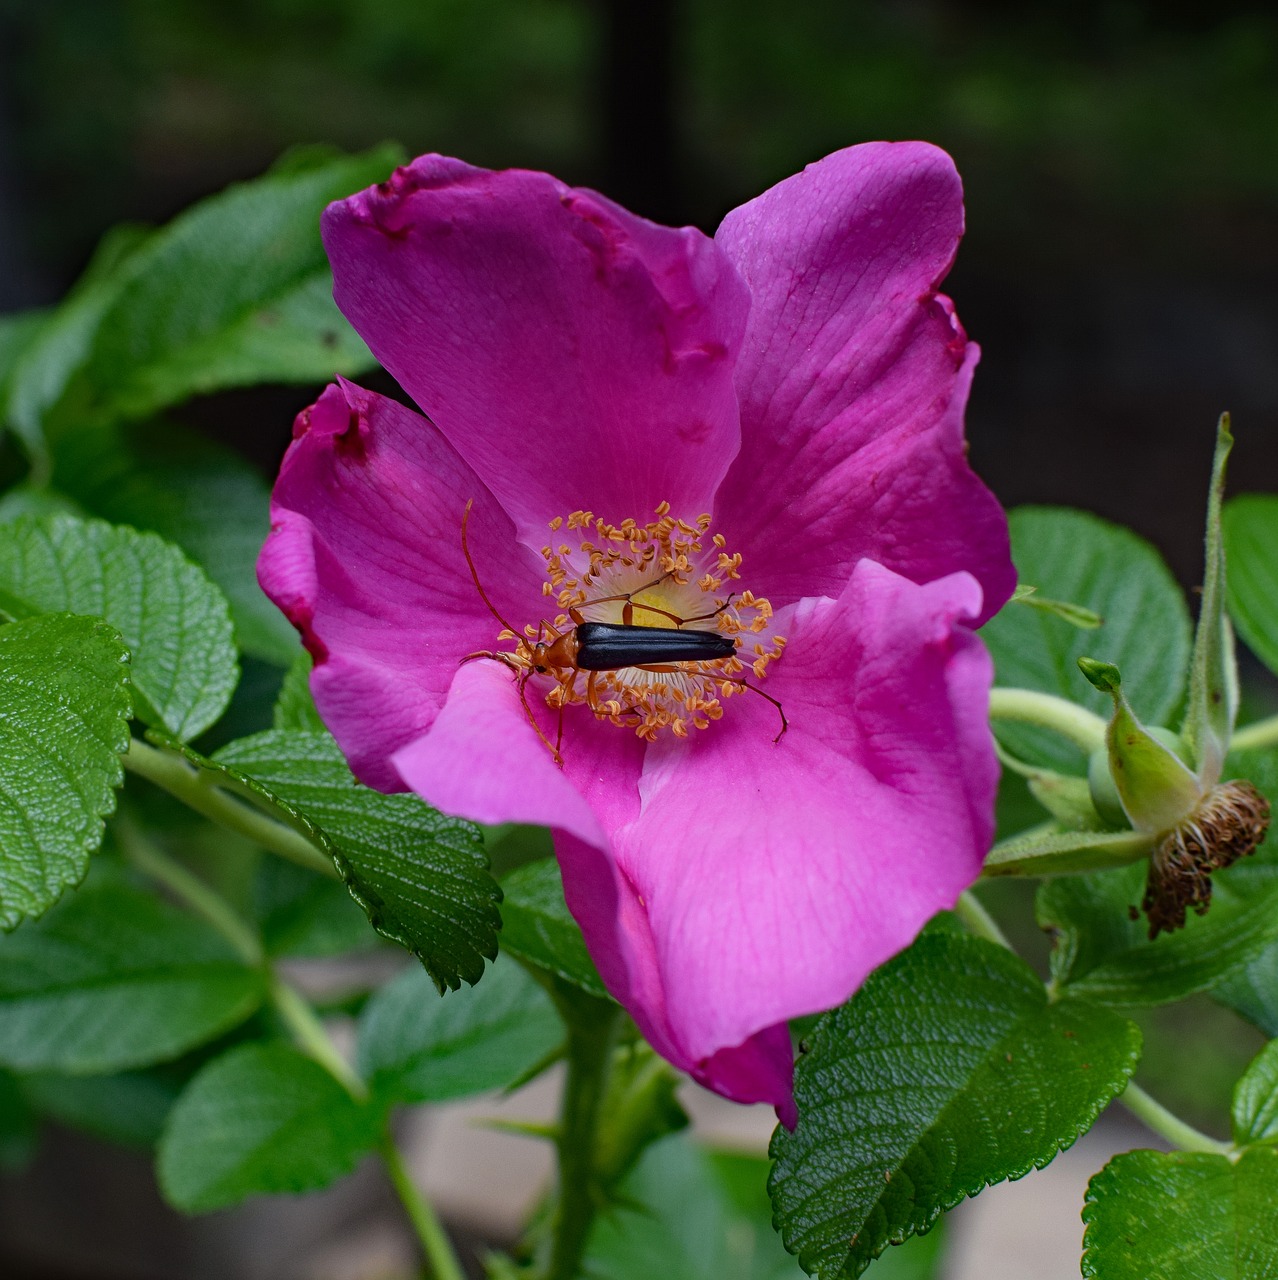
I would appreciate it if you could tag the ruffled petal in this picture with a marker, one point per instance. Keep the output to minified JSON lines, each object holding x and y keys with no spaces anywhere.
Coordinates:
{"x":773,"y":879}
{"x":365,"y":559}
{"x":578,"y":357}
{"x":853,"y":379}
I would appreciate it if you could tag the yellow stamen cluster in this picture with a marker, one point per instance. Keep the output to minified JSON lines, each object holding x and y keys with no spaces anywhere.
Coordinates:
{"x":664,"y":573}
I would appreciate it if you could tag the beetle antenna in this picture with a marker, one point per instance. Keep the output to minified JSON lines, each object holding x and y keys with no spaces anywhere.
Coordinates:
{"x":483,"y":595}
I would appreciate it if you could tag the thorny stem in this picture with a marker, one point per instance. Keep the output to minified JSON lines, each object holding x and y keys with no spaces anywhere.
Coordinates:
{"x":200,"y":792}
{"x":1083,"y":728}
{"x":304,"y":1024}
{"x":1263,"y":733}
{"x":1155,"y":1116}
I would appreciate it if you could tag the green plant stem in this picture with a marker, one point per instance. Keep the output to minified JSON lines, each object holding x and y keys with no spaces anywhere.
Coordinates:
{"x":441,"y":1260}
{"x":304,"y":1024}
{"x":1155,"y":1116}
{"x":592,"y":1028}
{"x":293,"y":1009}
{"x":197,"y":791}
{"x":1083,"y":728}
{"x":1263,"y":733}
{"x":190,"y":889}
{"x":970,"y":910}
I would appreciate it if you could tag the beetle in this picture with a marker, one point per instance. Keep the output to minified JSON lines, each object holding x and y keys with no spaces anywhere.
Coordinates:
{"x":594,"y":647}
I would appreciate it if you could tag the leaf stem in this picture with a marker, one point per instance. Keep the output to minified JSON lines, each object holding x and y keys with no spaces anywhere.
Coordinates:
{"x":1155,"y":1116}
{"x":308,"y":1030}
{"x":181,"y":780}
{"x":441,"y":1261}
{"x":198,"y":896}
{"x":293,"y":1009}
{"x":592,"y":1027}
{"x":972,"y":912}
{"x":1083,"y":728}
{"x":303,"y":1022}
{"x":1262,"y":733}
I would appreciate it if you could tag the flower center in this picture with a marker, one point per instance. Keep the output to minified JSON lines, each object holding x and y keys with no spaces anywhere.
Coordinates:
{"x":667,"y":574}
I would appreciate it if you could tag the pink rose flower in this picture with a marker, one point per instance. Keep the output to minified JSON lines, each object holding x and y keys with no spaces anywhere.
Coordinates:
{"x":775,"y":413}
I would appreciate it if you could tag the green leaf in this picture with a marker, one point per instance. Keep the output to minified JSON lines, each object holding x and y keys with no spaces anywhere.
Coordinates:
{"x":18,"y":332}
{"x":1049,"y":851}
{"x":1074,"y":614}
{"x":418,"y":1046}
{"x":174,"y":621}
{"x":1256,"y":1099}
{"x":65,"y":700}
{"x":1183,"y":1216}
{"x":690,"y":1214}
{"x":114,"y":978}
{"x":1251,"y":549}
{"x":1104,"y":955}
{"x":947,"y":1072}
{"x":1252,"y":990}
{"x":538,"y":927}
{"x":234,"y":291}
{"x":129,"y":1108}
{"x":262,"y":1118}
{"x":420,"y":877}
{"x":164,"y":478}
{"x":1074,"y":556}
{"x":39,"y":375}
{"x":295,"y":708}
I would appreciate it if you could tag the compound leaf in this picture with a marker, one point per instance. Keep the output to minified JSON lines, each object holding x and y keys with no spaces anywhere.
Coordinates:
{"x":947,"y":1072}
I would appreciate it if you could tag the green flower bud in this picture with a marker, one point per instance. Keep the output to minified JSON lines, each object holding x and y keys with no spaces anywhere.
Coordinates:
{"x":1155,"y":788}
{"x":1100,"y":781}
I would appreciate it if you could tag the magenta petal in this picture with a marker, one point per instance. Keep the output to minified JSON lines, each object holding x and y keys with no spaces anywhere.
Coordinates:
{"x":615,"y":923}
{"x":578,"y":357}
{"x":774,"y":879}
{"x":481,"y":759}
{"x":853,"y":378}
{"x":365,"y":559}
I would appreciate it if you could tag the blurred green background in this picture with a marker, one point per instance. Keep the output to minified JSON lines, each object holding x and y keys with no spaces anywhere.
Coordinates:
{"x":1121,"y":161}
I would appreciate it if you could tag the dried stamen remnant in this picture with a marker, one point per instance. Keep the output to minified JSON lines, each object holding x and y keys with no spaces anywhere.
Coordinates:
{"x":1229,"y":823}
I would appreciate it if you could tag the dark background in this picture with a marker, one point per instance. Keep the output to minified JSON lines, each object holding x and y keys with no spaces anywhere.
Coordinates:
{"x":1121,"y":162}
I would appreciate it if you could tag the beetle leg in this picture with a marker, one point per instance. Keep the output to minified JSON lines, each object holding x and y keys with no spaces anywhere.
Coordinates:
{"x":754,"y":688}
{"x":523,"y":697}
{"x":705,"y":617}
